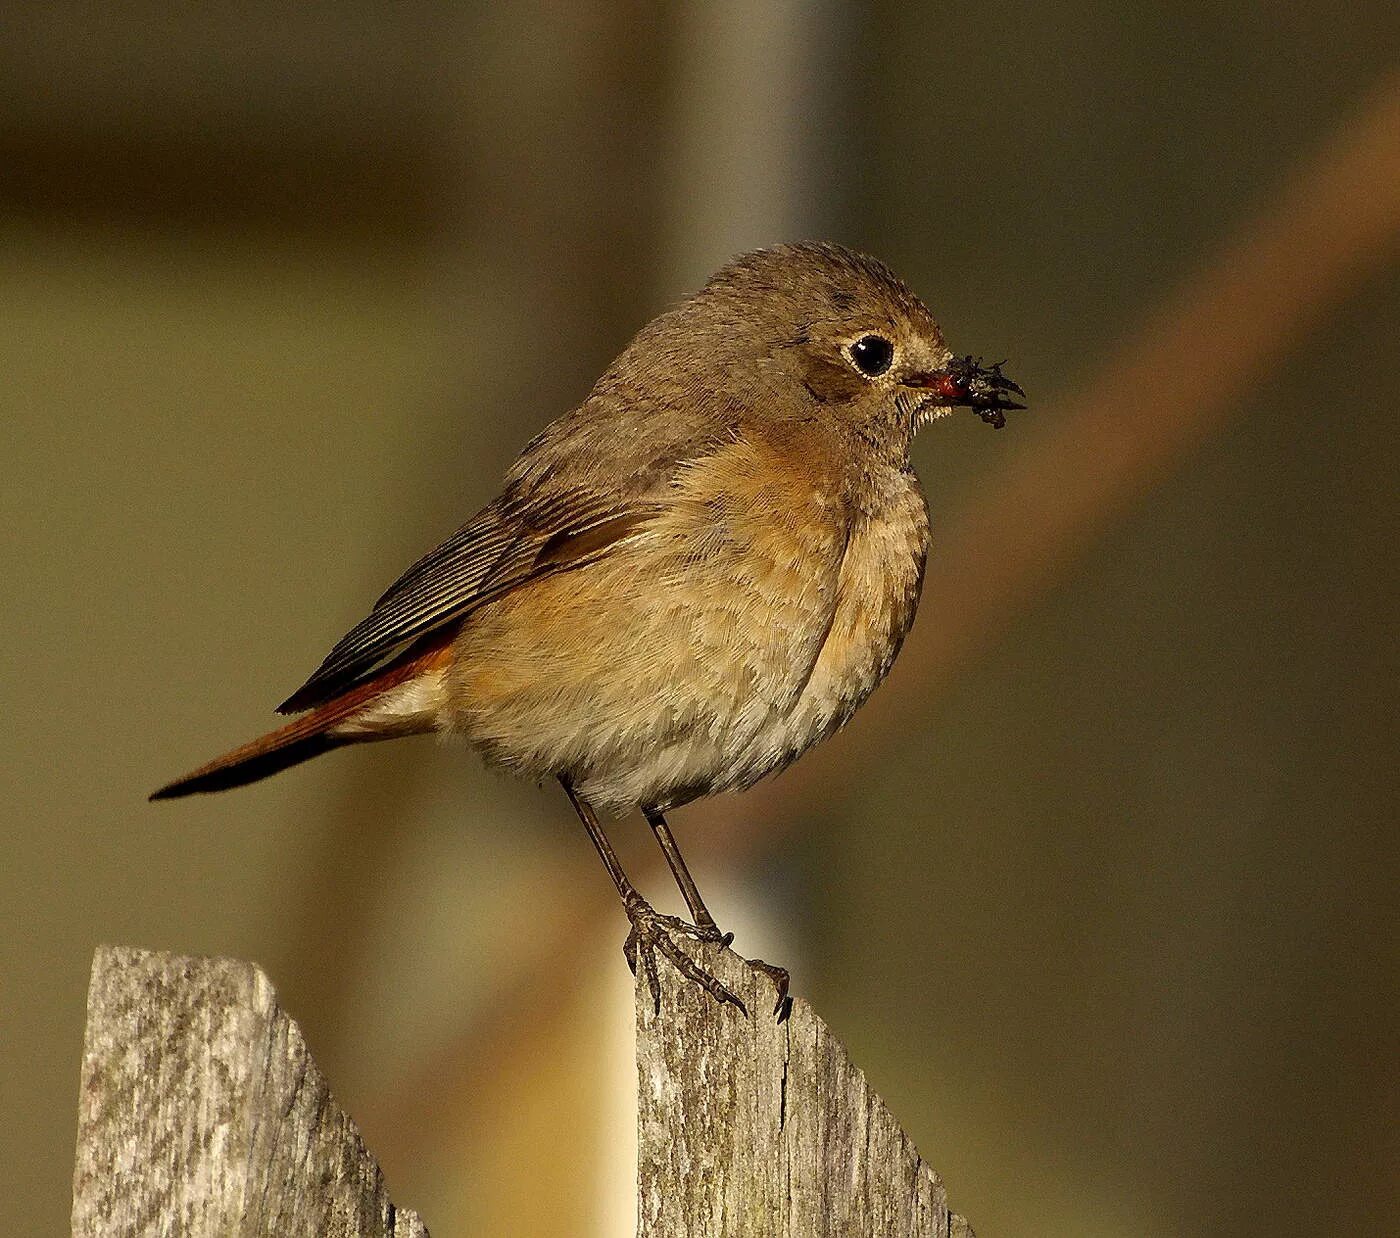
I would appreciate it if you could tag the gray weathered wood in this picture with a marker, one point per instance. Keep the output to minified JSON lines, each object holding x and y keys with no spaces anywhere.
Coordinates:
{"x":201,"y":1113}
{"x":751,"y":1128}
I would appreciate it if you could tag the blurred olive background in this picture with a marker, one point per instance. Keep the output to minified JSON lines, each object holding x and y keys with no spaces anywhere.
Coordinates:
{"x":1105,"y":905}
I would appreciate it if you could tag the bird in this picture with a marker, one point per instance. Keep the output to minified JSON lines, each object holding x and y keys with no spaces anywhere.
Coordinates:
{"x":684,"y":583}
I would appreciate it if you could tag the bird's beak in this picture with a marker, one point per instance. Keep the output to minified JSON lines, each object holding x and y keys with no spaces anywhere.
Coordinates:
{"x":963,"y":381}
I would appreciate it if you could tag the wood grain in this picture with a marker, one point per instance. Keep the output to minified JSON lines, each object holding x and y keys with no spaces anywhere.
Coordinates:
{"x":748,"y":1127}
{"x":202,"y":1113}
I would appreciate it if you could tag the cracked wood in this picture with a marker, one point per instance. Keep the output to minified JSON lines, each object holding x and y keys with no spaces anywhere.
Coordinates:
{"x":751,"y":1128}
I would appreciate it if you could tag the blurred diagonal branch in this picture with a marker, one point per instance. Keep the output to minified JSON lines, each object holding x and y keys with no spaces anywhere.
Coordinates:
{"x":1164,"y":390}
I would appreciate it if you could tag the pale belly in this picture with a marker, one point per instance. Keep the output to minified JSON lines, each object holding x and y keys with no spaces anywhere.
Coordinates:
{"x":673,"y":670}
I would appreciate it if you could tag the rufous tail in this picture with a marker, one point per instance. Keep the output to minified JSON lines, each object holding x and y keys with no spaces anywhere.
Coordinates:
{"x":312,"y":733}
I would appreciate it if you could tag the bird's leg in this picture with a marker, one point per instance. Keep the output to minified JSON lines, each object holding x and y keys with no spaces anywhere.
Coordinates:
{"x":705,"y":928}
{"x":650,"y":930}
{"x":704,"y":924}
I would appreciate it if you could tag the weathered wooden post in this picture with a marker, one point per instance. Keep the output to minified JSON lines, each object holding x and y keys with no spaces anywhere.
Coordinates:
{"x":201,"y":1113}
{"x":751,"y":1128}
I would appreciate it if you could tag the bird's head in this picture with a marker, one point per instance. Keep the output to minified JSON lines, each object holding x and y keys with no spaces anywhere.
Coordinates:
{"x":807,"y":331}
{"x":813,"y":325}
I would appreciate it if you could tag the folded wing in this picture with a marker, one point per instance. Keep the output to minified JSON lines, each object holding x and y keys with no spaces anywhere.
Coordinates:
{"x":514,"y":540}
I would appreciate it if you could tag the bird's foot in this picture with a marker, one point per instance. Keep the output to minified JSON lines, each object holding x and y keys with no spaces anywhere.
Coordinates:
{"x":652,"y":932}
{"x":703,"y":930}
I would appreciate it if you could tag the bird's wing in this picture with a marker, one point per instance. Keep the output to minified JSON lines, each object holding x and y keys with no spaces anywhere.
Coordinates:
{"x":525,"y":533}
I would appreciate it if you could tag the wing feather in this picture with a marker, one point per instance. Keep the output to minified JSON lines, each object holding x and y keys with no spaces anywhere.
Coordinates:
{"x":585,"y":482}
{"x":507,"y":544}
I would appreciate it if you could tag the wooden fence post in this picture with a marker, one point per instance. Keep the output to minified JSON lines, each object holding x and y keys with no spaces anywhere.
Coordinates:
{"x":751,"y":1128}
{"x":201,"y":1113}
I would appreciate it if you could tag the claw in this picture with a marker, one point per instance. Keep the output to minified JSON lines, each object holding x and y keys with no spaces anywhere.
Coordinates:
{"x":637,"y":947}
{"x":780,"y":978}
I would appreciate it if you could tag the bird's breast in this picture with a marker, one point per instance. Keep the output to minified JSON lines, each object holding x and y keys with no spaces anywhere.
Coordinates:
{"x":876,"y":595}
{"x":735,"y":629}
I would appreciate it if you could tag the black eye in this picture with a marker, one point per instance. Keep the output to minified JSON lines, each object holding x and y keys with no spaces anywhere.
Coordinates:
{"x":872,"y":354}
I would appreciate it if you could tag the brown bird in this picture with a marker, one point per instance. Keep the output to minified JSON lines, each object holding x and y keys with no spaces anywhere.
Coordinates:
{"x":686,"y":582}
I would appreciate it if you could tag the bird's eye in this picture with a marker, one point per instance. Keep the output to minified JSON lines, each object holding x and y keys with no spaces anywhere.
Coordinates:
{"x":872,"y":354}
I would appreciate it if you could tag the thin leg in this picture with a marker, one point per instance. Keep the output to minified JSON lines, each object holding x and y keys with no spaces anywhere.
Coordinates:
{"x":699,"y":913}
{"x":649,"y":929}
{"x":600,"y":840}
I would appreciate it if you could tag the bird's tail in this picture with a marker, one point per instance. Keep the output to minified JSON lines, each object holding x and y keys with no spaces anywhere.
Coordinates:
{"x":317,"y":731}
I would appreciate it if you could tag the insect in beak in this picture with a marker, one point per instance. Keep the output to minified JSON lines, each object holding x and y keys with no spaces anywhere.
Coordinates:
{"x":965,"y":381}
